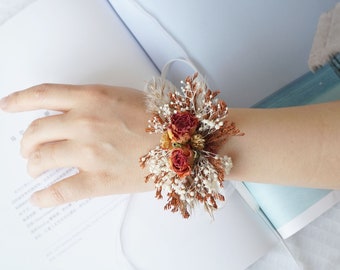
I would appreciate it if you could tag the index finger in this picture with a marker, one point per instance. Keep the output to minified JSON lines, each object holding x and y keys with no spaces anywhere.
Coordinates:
{"x":57,"y":97}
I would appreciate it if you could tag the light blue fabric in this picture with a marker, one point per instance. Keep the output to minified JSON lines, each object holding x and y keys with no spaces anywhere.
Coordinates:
{"x":282,"y":203}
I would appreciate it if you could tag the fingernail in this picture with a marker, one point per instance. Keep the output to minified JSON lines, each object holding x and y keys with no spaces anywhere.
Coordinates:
{"x":3,"y":103}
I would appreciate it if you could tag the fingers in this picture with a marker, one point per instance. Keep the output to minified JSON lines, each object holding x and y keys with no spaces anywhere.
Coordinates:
{"x":77,"y":187}
{"x":43,"y":130}
{"x":53,"y":155}
{"x":58,"y":97}
{"x":71,"y":189}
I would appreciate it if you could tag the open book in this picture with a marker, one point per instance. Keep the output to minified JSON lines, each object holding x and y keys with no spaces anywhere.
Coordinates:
{"x":82,"y":42}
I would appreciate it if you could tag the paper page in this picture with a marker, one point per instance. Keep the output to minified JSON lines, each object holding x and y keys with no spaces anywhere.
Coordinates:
{"x":64,"y":41}
{"x":79,"y":42}
{"x":73,"y":42}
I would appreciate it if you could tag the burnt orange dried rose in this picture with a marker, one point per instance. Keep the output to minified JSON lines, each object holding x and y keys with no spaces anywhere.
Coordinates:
{"x":182,"y":126}
{"x":181,"y":161}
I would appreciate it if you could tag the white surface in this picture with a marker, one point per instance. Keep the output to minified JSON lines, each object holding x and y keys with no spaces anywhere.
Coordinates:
{"x":9,"y":8}
{"x":310,"y":214}
{"x":93,"y":46}
{"x":316,"y":246}
{"x":248,"y":49}
{"x":231,"y":241}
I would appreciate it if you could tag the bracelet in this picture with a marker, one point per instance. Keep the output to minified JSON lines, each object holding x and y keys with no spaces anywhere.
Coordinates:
{"x":193,"y":125}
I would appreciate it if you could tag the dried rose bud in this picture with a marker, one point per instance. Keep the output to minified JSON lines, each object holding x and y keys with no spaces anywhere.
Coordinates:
{"x":182,"y":126}
{"x":181,"y":161}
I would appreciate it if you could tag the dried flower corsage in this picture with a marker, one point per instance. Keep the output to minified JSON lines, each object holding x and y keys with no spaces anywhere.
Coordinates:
{"x":193,"y":126}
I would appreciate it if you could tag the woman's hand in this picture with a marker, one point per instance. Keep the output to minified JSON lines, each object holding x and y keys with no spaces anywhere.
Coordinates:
{"x":100,"y":131}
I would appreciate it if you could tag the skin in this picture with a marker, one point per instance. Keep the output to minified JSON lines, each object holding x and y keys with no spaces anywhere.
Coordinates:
{"x":296,"y":146}
{"x":101,"y":131}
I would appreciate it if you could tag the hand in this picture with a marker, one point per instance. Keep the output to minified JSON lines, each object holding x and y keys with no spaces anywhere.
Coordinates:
{"x":101,"y":131}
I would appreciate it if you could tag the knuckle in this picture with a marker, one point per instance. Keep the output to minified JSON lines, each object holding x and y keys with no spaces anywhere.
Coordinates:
{"x":105,"y":179}
{"x":110,"y":182}
{"x":33,"y":163}
{"x":28,"y":138}
{"x":90,"y":153}
{"x":52,"y":152}
{"x":34,"y":126}
{"x":88,"y":124}
{"x":36,"y":156}
{"x":56,"y":194}
{"x":97,"y":94}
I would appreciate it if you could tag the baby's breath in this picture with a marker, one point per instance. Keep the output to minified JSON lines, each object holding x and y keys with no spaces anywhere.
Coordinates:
{"x":204,"y":183}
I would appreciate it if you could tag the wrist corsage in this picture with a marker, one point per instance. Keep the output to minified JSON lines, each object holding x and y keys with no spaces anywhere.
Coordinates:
{"x":193,"y":126}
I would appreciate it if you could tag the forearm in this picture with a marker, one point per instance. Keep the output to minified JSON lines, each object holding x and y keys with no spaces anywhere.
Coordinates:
{"x":290,"y":146}
{"x":102,"y":133}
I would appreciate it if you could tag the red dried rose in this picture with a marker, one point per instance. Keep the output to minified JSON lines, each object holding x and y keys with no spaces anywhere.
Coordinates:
{"x":181,"y":161}
{"x":182,"y":126}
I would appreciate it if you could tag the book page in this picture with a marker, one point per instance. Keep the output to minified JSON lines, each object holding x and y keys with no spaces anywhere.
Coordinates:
{"x":76,"y":42}
{"x":81,"y":42}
